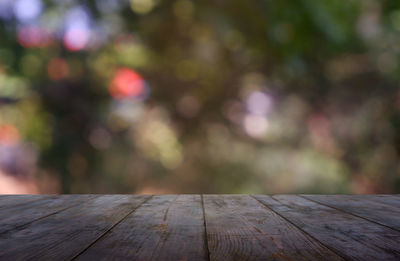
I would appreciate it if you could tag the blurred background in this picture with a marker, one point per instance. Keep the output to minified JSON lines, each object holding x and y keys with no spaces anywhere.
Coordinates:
{"x":153,"y":96}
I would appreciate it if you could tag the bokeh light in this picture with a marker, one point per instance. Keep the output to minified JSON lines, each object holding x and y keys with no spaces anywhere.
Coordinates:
{"x":142,"y":6}
{"x":77,"y":29}
{"x":76,"y":39}
{"x":300,"y":98}
{"x":33,"y":36}
{"x":259,"y":103}
{"x":27,"y":10}
{"x":57,"y":69}
{"x":127,"y":83}
{"x":255,"y":126}
{"x":9,"y":135}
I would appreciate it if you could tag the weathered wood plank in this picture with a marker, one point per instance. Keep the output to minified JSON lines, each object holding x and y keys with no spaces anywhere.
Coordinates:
{"x":62,"y":235}
{"x":390,"y":200}
{"x":363,"y":207}
{"x":166,"y":227}
{"x":7,"y":201}
{"x":240,"y":228}
{"x":22,"y":214}
{"x":355,"y":238}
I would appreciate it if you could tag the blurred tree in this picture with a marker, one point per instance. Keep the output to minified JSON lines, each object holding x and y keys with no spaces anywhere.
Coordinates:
{"x":214,"y":96}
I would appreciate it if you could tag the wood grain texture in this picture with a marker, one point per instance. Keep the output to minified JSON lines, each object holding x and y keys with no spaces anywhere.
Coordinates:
{"x":353,"y":237}
{"x":364,"y":207}
{"x":185,"y":227}
{"x":13,"y":217}
{"x":7,"y":201}
{"x":240,"y":228}
{"x":62,"y":235}
{"x":168,"y":227}
{"x":392,"y":201}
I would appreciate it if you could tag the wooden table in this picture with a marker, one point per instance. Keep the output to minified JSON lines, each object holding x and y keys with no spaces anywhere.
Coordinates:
{"x":200,"y":227}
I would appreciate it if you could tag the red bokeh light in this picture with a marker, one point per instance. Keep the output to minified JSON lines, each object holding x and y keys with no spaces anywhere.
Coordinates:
{"x":126,"y":83}
{"x":57,"y":69}
{"x":32,"y":36}
{"x":9,"y":135}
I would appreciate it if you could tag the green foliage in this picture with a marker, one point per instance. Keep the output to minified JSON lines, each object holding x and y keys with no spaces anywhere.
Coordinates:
{"x":331,"y":70}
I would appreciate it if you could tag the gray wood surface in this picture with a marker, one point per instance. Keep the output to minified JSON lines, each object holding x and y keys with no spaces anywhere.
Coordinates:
{"x":363,"y":207}
{"x":200,"y":227}
{"x":240,"y":228}
{"x":62,"y":235}
{"x":167,"y":227}
{"x":390,"y":200}
{"x":20,"y":215}
{"x":7,"y":201}
{"x":353,"y":237}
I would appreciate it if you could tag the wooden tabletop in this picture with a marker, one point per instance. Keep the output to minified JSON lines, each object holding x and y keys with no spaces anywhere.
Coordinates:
{"x":200,"y":227}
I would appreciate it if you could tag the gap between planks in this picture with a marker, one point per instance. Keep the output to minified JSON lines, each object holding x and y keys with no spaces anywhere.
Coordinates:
{"x":32,"y":221}
{"x":21,"y":226}
{"x":205,"y":228}
{"x":107,"y":231}
{"x":296,"y":226}
{"x":347,"y":212}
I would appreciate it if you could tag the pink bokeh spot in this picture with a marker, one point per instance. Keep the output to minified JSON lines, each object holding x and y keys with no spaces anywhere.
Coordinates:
{"x":126,"y":83}
{"x":76,"y":39}
{"x":32,"y":36}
